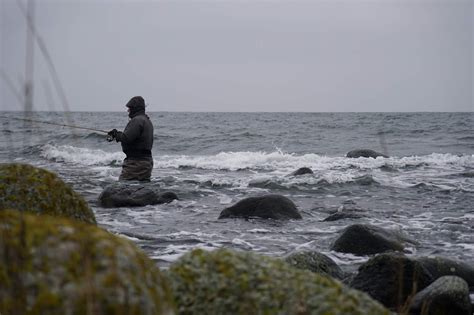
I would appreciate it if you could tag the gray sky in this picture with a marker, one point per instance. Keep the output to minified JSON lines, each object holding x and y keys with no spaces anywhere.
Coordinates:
{"x":236,"y":55}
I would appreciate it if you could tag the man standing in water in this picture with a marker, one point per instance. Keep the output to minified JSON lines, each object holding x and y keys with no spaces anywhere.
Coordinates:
{"x":137,"y":142}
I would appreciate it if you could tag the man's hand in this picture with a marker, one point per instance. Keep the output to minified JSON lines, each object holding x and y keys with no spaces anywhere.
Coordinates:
{"x":112,"y":134}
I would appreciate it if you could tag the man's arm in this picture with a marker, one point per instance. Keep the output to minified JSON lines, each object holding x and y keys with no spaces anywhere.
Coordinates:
{"x":131,"y":132}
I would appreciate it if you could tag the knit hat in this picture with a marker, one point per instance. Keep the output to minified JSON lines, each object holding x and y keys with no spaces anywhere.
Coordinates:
{"x":136,"y":102}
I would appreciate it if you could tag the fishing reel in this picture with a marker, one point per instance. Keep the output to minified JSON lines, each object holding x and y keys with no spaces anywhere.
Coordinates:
{"x":111,"y":135}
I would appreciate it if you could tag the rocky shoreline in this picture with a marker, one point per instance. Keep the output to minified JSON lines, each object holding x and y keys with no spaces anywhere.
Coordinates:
{"x":55,"y":260}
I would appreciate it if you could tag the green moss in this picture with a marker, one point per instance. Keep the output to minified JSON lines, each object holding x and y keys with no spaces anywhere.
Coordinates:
{"x":315,"y":262}
{"x":227,"y":282}
{"x":57,"y":266}
{"x":27,"y":188}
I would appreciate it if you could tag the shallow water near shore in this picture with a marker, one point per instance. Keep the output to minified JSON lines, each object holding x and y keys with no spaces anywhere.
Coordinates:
{"x":424,"y":190}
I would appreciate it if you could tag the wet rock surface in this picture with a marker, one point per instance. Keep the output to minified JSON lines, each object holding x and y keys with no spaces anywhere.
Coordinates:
{"x":267,"y":207}
{"x":134,"y":195}
{"x":315,"y":262}
{"x":367,"y":153}
{"x":365,"y":239}
{"x":391,"y":278}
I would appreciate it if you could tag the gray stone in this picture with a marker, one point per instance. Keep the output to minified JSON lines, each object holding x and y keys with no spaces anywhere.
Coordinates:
{"x":365,"y":153}
{"x":442,"y":266}
{"x":268,"y":207}
{"x":447,"y":295}
{"x":302,"y":171}
{"x":391,"y":278}
{"x":315,"y":262}
{"x":364,"y":239}
{"x":134,"y":195}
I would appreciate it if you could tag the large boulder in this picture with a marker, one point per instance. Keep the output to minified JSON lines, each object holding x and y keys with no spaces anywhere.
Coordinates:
{"x":27,"y":188}
{"x":229,"y":282}
{"x":268,"y":207}
{"x":367,"y":153}
{"x":442,"y":266}
{"x":365,"y":239}
{"x":315,"y":262}
{"x":391,"y":278}
{"x":447,"y":295}
{"x":134,"y":195}
{"x":52,"y":265}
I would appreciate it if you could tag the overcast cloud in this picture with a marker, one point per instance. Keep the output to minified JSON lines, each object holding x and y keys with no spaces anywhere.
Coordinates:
{"x":353,"y":55}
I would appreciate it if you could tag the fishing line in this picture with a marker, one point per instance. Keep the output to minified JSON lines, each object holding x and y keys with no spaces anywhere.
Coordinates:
{"x":55,"y":124}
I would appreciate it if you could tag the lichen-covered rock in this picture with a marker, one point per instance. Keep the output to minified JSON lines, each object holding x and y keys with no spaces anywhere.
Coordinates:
{"x":447,"y":295}
{"x":229,"y":282}
{"x":367,"y":153}
{"x":134,"y":195}
{"x":27,"y":188}
{"x":442,"y":266}
{"x":391,"y":278}
{"x":267,"y":207}
{"x":51,"y":265}
{"x":364,"y":239}
{"x":315,"y":262}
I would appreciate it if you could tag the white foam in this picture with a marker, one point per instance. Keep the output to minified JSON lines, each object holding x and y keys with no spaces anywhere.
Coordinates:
{"x":283,"y":163}
{"x":225,"y":200}
{"x":238,"y":241}
{"x":81,"y":156}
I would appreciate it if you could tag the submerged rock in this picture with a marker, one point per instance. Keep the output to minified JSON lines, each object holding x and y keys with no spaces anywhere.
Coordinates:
{"x":61,"y":266}
{"x":27,"y":188}
{"x":364,"y":239}
{"x":315,"y":262}
{"x":365,"y":153}
{"x":229,"y":282}
{"x":447,"y":295}
{"x":442,"y":266}
{"x":134,"y":195}
{"x":343,"y":215}
{"x":391,"y":279}
{"x":268,"y":207}
{"x":302,"y":171}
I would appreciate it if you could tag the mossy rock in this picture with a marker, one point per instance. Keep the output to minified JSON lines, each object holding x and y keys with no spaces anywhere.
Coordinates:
{"x":229,"y":282}
{"x":51,"y":265}
{"x":315,"y":262}
{"x":27,"y":188}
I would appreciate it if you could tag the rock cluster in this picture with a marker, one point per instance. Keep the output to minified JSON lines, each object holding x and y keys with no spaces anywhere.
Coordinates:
{"x":55,"y":260}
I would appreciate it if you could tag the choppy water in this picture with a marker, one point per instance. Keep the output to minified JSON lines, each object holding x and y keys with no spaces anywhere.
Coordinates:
{"x":211,"y":160}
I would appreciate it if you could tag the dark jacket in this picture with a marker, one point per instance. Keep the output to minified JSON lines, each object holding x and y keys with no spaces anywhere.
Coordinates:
{"x":137,"y":138}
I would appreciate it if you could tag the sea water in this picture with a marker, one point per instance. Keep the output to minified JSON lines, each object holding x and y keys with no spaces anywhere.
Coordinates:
{"x":424,"y":190}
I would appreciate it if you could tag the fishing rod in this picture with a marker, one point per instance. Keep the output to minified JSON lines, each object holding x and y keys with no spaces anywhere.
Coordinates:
{"x":109,"y":138}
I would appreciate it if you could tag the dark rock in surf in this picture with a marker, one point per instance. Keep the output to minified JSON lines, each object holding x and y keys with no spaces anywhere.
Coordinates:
{"x":268,"y":207}
{"x":447,"y":295}
{"x":342,"y":215}
{"x":391,"y":278}
{"x":129,"y":195}
{"x":315,"y":262}
{"x":365,"y":153}
{"x":364,"y":239}
{"x":302,"y":171}
{"x":441,"y":266}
